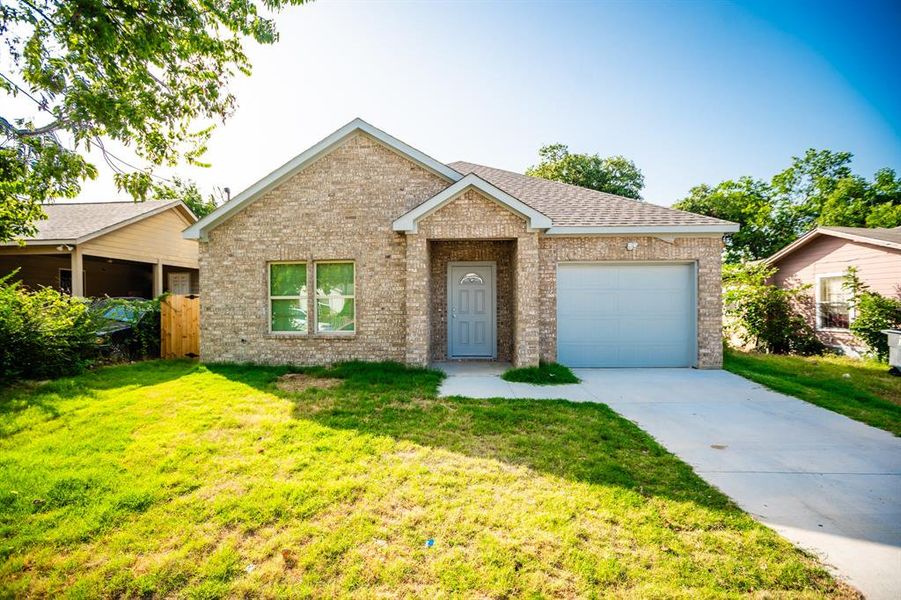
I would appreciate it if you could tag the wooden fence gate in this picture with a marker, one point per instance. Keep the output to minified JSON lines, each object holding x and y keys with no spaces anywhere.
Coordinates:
{"x":180,"y":327}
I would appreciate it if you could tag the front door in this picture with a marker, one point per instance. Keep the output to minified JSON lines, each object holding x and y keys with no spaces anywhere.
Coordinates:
{"x":471,"y":310}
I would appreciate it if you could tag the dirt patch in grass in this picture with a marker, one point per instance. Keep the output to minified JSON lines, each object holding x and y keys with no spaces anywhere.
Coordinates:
{"x":299,"y":382}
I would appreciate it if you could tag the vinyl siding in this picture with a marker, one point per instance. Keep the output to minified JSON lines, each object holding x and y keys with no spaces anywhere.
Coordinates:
{"x":877,"y":266}
{"x":156,"y":237}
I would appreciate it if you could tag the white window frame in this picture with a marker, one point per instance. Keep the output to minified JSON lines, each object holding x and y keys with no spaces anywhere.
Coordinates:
{"x":316,"y":296}
{"x":818,"y":294}
{"x":305,"y":299}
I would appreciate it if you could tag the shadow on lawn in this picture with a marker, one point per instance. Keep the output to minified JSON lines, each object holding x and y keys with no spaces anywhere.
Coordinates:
{"x":46,"y":396}
{"x":581,"y":442}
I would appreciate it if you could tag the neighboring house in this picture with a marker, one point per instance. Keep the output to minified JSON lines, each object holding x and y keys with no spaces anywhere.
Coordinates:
{"x":363,"y":247}
{"x":821,"y":257}
{"x":120,"y":249}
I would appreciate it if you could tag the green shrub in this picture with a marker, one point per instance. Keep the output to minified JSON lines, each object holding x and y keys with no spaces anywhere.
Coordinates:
{"x":873,"y":313}
{"x":765,"y":315}
{"x":45,"y":333}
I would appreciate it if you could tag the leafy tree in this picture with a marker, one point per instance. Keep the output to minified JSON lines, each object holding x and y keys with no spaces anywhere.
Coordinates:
{"x":817,"y":189}
{"x":747,"y":202}
{"x":151,"y":75}
{"x":614,"y":174}
{"x":187,"y":192}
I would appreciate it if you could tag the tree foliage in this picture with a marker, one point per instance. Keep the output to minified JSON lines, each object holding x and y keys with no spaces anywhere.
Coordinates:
{"x":764,"y":315}
{"x":614,"y":174}
{"x":151,"y":75}
{"x":818,"y":188}
{"x":873,"y":314}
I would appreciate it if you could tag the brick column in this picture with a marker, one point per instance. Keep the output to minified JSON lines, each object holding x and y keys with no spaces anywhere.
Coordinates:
{"x":525,"y":352}
{"x":417,"y":300}
{"x":710,"y":310}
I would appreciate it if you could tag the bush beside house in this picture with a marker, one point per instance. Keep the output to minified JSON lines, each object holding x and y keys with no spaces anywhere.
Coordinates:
{"x":47,"y":333}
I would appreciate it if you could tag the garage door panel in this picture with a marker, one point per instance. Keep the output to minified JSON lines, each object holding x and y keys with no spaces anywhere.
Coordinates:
{"x":588,"y":302}
{"x":640,"y":315}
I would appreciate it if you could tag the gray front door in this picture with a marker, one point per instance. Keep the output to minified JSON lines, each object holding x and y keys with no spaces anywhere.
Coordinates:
{"x":470,"y":308}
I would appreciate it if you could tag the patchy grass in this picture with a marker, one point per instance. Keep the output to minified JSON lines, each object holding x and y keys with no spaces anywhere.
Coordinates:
{"x":862,"y":390}
{"x":543,"y":374}
{"x":172,"y":479}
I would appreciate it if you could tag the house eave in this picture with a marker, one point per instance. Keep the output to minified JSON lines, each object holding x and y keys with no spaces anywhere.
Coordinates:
{"x":713,"y":229}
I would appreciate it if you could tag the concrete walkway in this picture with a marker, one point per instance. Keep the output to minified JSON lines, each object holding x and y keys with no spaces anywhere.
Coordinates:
{"x":827,"y":483}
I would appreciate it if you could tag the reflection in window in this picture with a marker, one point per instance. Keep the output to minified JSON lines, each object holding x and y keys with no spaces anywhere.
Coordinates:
{"x":471,"y":279}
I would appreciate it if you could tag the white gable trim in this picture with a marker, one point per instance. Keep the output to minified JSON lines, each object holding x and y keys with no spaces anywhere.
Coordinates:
{"x":407,"y":222}
{"x":200,"y":229}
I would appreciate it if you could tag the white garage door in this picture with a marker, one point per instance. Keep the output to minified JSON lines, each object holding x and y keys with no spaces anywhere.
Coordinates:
{"x":632,"y":315}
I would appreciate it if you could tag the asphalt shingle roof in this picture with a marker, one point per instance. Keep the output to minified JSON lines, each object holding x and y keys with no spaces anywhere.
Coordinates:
{"x":879,"y":233}
{"x":573,"y":206}
{"x":71,"y":221}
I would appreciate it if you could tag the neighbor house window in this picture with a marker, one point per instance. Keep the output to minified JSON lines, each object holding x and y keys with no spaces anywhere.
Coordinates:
{"x":335,"y":297}
{"x":288,"y":297}
{"x":833,"y":303}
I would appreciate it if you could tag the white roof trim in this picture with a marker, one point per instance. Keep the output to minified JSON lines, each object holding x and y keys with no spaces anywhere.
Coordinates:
{"x":641,"y":229}
{"x":200,"y":229}
{"x":815,"y":233}
{"x":407,"y":222}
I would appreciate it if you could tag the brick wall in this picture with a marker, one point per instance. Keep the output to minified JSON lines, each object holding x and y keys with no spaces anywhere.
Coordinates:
{"x":340,"y":207}
{"x":705,"y":251}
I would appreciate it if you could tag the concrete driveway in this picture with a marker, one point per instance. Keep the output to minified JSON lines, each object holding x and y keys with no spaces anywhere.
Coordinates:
{"x":827,"y":483}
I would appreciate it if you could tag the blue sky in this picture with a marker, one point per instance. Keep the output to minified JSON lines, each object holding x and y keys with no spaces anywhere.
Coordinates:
{"x":691,"y":91}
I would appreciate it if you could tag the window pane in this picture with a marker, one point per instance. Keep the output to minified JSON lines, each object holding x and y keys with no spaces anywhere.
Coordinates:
{"x":289,"y":315}
{"x":834,"y":315}
{"x":335,"y":278}
{"x":833,"y":290}
{"x":288,"y":279}
{"x":335,"y":314}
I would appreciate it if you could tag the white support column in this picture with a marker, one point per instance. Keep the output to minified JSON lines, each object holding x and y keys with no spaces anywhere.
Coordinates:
{"x":157,"y":279}
{"x":77,"y":272}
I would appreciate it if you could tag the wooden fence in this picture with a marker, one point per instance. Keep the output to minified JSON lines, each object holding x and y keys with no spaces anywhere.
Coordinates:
{"x":180,"y":327}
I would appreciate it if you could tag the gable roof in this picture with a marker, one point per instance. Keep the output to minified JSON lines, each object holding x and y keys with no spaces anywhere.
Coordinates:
{"x":878,"y":236}
{"x":78,"y":222}
{"x":536,"y":219}
{"x":299,"y":162}
{"x":575,"y":209}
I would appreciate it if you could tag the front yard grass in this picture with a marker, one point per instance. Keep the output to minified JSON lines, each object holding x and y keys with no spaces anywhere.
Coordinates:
{"x":860,"y":389}
{"x":173,"y":479}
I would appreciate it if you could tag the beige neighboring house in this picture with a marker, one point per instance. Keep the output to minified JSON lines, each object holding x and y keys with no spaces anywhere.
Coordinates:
{"x":120,"y":248}
{"x":821,"y":257}
{"x":363,"y":247}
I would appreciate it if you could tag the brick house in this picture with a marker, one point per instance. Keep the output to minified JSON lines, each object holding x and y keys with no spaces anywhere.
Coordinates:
{"x":363,"y":247}
{"x":820,"y":259}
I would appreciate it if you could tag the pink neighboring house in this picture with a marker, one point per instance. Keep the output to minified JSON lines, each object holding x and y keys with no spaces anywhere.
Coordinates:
{"x":821,"y":257}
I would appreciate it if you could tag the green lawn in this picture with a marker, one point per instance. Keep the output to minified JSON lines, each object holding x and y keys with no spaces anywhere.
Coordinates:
{"x":862,"y":390}
{"x":171,"y":479}
{"x":543,"y":374}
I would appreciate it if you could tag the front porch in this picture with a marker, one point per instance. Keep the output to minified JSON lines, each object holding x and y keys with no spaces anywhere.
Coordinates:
{"x":53,"y":266}
{"x":476,"y":304}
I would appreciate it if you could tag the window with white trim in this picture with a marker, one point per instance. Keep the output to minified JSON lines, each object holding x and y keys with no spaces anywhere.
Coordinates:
{"x":833,"y":303}
{"x":288,"y":297}
{"x":335,"y":309}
